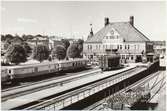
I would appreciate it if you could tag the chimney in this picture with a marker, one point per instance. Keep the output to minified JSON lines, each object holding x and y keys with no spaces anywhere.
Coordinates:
{"x":131,"y":20}
{"x":106,"y":21}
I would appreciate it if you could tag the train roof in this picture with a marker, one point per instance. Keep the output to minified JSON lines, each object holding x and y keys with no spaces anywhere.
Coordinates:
{"x":45,"y":63}
{"x":112,"y":56}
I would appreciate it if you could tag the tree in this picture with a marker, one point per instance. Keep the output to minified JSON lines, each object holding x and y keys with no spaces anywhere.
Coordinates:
{"x":17,"y":40}
{"x":9,"y":37}
{"x":80,"y":41}
{"x":16,"y":54}
{"x":59,"y":52}
{"x":7,"y":40}
{"x":27,"y":47}
{"x":66,"y":43}
{"x":80,"y":45}
{"x":40,"y":52}
{"x":73,"y":51}
{"x":3,"y":37}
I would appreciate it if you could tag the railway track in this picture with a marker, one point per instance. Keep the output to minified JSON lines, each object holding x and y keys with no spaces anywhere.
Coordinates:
{"x":59,"y":90}
{"x":32,"y":82}
{"x":50,"y":100}
{"x":41,"y":85}
{"x":141,"y":82}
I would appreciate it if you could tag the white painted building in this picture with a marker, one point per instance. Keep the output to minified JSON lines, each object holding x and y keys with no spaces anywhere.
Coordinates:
{"x":120,"y":36}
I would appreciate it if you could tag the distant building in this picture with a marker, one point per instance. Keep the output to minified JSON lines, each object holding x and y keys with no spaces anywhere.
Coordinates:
{"x":120,"y":36}
{"x":54,"y":41}
{"x":160,"y":47}
{"x":38,"y":39}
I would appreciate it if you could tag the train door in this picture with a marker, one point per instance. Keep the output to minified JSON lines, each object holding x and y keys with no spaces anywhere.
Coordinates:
{"x":56,"y":67}
{"x":35,"y":69}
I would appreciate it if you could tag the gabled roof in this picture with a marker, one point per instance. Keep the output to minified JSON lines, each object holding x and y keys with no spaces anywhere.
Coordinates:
{"x":126,"y":31}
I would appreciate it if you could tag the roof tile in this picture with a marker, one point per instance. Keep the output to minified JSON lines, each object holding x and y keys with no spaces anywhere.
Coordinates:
{"x":126,"y":31}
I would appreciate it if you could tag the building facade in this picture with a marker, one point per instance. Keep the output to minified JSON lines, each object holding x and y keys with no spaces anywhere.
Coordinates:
{"x":160,"y":48}
{"x":44,"y":40}
{"x":129,"y":42}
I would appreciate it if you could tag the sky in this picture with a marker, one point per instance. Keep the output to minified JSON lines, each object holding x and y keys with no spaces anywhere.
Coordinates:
{"x":73,"y":19}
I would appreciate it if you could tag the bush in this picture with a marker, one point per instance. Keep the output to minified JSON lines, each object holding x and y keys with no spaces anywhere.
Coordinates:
{"x":40,"y":53}
{"x":59,"y":52}
{"x":73,"y":51}
{"x":16,"y":54}
{"x":66,"y":43}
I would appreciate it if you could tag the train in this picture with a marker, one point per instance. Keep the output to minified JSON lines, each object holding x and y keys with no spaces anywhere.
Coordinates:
{"x":109,"y":62}
{"x":14,"y":73}
{"x":4,"y":75}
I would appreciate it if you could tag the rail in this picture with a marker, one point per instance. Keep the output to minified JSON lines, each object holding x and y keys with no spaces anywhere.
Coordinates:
{"x":136,"y":84}
{"x":40,"y":86}
{"x":74,"y":96}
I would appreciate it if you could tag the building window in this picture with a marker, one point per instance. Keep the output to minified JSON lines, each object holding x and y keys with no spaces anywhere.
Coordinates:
{"x":90,"y":47}
{"x":120,"y":46}
{"x":132,"y":57}
{"x":123,"y":56}
{"x":135,"y":46}
{"x":125,"y":46}
{"x":128,"y":47}
{"x":127,"y":57}
{"x":117,"y":46}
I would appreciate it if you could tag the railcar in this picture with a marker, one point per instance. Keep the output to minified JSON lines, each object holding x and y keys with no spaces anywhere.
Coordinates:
{"x":24,"y":71}
{"x":109,"y":62}
{"x":4,"y":75}
{"x":18,"y":72}
{"x":73,"y":64}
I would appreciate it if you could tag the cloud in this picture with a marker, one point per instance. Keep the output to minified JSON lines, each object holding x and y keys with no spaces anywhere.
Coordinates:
{"x":26,"y":20}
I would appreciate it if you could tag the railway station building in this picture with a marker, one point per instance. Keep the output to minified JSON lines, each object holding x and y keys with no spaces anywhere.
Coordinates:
{"x":129,"y":42}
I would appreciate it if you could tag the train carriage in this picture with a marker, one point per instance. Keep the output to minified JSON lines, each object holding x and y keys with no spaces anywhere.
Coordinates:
{"x":4,"y":75}
{"x":24,"y":71}
{"x":72,"y":64}
{"x":20,"y":71}
{"x":32,"y":70}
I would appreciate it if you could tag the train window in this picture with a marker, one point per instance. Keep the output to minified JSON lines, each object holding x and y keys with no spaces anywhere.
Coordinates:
{"x":132,"y":57}
{"x":117,"y":46}
{"x":9,"y":71}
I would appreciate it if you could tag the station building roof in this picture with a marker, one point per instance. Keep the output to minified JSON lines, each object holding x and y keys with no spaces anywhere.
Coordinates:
{"x":126,"y":31}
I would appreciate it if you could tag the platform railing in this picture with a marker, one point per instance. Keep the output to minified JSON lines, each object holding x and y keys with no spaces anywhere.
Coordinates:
{"x":79,"y":94}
